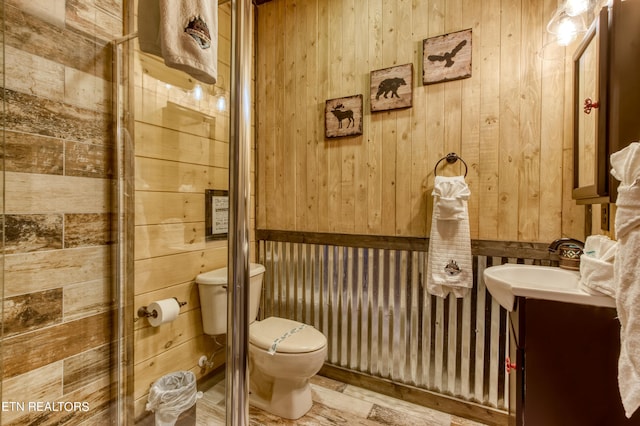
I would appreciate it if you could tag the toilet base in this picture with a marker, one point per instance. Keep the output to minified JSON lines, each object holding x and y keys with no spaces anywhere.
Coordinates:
{"x":287,"y":398}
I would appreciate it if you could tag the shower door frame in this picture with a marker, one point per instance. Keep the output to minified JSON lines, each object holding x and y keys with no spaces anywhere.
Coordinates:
{"x":124,"y":227}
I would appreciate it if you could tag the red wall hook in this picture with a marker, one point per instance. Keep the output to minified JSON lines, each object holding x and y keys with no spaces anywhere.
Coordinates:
{"x":509,"y":365}
{"x":588,"y":104}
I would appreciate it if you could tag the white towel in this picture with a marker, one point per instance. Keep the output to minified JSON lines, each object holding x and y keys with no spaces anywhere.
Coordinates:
{"x":596,"y":265}
{"x":626,"y":168}
{"x":449,"y":268}
{"x":625,"y":164}
{"x":183,"y":33}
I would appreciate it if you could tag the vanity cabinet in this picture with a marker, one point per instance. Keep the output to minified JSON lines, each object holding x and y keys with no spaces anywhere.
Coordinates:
{"x":606,"y":99}
{"x":566,"y":365}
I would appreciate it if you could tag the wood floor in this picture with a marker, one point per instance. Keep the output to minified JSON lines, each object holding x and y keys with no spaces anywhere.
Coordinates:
{"x":335,"y":403}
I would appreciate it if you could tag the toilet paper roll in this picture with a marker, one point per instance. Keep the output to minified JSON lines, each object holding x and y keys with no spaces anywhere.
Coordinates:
{"x":167,"y":310}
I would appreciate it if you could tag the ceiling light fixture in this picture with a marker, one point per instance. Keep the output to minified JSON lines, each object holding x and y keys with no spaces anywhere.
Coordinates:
{"x":576,"y":7}
{"x":566,"y":28}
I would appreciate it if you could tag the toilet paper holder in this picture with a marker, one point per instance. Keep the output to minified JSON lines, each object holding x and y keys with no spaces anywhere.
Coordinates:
{"x":143,"y":311}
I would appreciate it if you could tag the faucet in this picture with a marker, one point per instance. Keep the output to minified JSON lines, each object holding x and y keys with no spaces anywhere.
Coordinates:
{"x":553,"y":247}
{"x":569,"y":251}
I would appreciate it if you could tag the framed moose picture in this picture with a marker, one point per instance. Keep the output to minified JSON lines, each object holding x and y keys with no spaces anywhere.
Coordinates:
{"x":343,"y":116}
{"x":392,"y":88}
{"x":446,"y":57}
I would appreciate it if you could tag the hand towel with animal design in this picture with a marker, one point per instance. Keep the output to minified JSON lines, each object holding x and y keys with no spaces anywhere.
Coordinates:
{"x":449,"y":268}
{"x":184,"y":34}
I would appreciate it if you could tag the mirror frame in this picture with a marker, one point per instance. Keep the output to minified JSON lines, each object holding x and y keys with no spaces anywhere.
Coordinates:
{"x":599,"y":191}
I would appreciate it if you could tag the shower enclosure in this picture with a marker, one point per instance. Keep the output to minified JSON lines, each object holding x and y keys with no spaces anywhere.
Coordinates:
{"x":178,"y":135}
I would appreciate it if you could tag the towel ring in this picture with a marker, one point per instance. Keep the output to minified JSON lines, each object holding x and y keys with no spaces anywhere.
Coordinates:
{"x":451,"y":158}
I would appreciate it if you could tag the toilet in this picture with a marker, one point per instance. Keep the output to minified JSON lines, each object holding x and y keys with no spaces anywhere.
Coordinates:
{"x":283,"y":354}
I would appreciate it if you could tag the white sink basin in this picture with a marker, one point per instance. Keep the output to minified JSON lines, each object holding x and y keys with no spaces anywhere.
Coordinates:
{"x":507,"y":281}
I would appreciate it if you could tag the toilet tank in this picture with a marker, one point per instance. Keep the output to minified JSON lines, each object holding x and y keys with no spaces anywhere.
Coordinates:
{"x":212,"y":287}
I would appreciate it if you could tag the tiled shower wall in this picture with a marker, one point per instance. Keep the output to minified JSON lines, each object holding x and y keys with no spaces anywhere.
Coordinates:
{"x":58,"y":157}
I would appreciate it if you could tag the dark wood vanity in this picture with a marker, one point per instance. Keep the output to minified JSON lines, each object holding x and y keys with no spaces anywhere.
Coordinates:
{"x":566,"y":365}
{"x":606,"y":99}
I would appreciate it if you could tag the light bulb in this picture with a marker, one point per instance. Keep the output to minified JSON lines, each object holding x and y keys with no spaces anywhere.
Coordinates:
{"x":567,"y":31}
{"x":576,"y":7}
{"x":197,"y":92}
{"x":221,"y":103}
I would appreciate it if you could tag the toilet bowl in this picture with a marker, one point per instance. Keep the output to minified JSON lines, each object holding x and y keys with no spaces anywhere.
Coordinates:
{"x":283,"y":354}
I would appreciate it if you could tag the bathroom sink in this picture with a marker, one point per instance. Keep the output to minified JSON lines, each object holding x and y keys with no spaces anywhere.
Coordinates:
{"x":507,"y":281}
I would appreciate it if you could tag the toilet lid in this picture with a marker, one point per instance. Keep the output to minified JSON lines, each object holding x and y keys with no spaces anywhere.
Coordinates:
{"x":282,"y":335}
{"x":219,"y":276}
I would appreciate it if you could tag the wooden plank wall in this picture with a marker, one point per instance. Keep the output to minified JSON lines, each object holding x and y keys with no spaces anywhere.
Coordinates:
{"x":510,"y":121}
{"x":181,"y":149}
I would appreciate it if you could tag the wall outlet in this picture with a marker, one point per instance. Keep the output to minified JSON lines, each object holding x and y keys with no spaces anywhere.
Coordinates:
{"x":604,"y":217}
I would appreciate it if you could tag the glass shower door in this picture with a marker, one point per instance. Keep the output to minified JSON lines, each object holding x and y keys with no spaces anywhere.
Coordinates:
{"x":174,"y":138}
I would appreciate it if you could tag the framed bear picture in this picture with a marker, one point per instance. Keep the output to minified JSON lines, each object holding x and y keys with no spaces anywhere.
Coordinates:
{"x":392,"y":88}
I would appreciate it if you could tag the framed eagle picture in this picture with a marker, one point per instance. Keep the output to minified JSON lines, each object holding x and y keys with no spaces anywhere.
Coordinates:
{"x":446,"y":57}
{"x":392,"y":88}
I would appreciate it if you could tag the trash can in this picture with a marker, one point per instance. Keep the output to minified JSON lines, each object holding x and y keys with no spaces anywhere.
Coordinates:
{"x":172,"y":395}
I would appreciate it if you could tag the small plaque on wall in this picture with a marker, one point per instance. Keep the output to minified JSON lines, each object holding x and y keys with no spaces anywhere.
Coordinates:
{"x":392,"y":88}
{"x":216,"y":214}
{"x":446,"y":57}
{"x":343,"y":116}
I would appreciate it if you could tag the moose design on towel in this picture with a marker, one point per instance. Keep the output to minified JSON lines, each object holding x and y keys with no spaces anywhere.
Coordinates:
{"x":452,"y":268}
{"x":199,"y":30}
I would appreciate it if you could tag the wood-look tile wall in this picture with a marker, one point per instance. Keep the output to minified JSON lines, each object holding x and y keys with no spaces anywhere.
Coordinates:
{"x":181,"y":149}
{"x":58,"y":175}
{"x":510,"y":122}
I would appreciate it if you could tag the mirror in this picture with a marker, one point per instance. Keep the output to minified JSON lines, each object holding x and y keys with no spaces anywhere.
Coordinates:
{"x":590,"y":182}
{"x":587,"y":128}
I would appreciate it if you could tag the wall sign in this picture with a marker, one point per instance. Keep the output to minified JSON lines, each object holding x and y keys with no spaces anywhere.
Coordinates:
{"x":446,"y":57}
{"x":392,"y":88}
{"x":343,"y":116}
{"x":216,"y":214}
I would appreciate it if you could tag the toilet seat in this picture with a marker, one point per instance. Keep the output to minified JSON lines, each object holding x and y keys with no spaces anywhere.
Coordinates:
{"x":285,"y":336}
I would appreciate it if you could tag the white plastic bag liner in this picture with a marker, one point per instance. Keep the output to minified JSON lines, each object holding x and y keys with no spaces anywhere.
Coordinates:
{"x":171,"y":395}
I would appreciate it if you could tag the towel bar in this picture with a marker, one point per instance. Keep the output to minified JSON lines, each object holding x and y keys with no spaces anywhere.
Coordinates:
{"x":451,"y":158}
